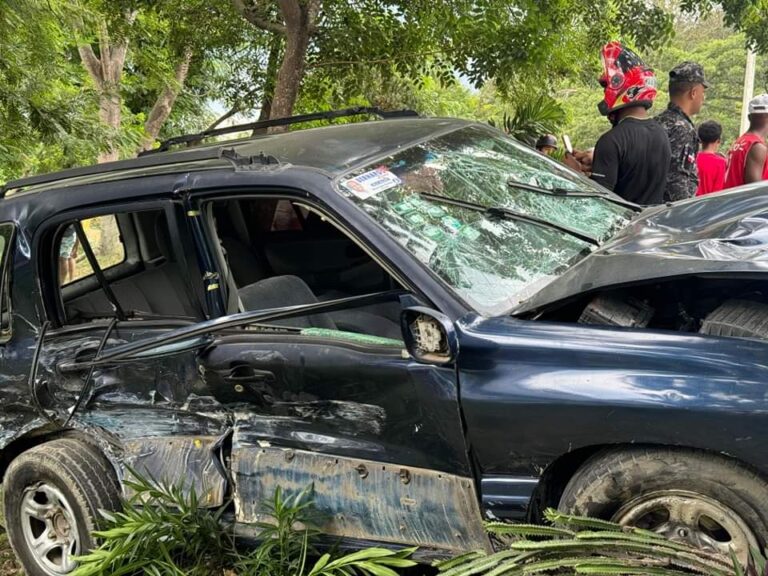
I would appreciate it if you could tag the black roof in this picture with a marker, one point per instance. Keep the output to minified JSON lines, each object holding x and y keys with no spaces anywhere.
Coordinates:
{"x":333,"y":149}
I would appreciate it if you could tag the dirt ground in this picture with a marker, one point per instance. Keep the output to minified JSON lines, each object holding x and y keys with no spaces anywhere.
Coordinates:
{"x":8,"y":565}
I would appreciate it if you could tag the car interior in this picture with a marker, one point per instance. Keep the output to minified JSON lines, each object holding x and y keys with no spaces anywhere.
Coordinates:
{"x":277,"y":253}
{"x":281,"y":253}
{"x":147,"y":282}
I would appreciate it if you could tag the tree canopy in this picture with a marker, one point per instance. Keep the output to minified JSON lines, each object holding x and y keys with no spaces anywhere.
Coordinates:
{"x":82,"y":80}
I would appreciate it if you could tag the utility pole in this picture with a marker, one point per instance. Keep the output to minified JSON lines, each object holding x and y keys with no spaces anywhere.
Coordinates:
{"x":749,"y":88}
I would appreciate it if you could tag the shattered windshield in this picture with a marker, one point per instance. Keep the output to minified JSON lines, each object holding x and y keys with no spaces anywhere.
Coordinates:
{"x":493,"y":262}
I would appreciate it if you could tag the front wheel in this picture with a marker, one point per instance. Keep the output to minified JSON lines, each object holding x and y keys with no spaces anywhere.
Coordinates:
{"x":52,"y":494}
{"x":702,"y":499}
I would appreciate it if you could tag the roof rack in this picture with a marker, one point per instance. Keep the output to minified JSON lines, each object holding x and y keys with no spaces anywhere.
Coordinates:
{"x":328,"y":115}
{"x":149,"y":159}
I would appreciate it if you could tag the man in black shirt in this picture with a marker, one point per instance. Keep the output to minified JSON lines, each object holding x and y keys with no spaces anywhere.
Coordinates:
{"x":632,"y":158}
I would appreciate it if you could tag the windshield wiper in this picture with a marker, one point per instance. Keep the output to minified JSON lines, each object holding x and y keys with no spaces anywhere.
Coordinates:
{"x":497,"y":212}
{"x":560,"y":191}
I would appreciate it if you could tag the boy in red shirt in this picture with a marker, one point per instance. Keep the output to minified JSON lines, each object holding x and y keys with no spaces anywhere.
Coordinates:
{"x":710,"y":164}
{"x":748,"y":157}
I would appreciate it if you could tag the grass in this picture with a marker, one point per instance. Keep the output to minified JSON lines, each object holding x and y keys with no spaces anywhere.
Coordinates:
{"x":8,"y":566}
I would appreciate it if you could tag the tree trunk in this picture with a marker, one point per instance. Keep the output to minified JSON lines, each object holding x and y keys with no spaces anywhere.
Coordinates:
{"x":270,"y":79}
{"x":106,"y":71}
{"x":290,"y":75}
{"x":110,"y":114}
{"x":299,"y":22}
{"x":165,"y":101}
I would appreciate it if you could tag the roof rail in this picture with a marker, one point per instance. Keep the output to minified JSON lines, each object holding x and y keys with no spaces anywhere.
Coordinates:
{"x":328,"y":115}
{"x":146,"y":162}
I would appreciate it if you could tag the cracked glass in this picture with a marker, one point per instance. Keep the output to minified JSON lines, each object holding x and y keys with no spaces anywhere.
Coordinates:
{"x":494,"y":262}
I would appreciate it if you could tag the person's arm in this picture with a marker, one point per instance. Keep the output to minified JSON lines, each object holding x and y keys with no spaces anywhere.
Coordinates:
{"x":753,"y":169}
{"x":580,"y":160}
{"x":605,"y":163}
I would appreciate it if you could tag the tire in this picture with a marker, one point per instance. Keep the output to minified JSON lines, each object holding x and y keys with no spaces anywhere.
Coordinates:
{"x":704,"y":499}
{"x":737,"y":319}
{"x":64,"y":483}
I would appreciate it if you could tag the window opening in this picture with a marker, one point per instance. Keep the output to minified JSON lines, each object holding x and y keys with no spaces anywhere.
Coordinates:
{"x":297,"y":258}
{"x":103,"y":234}
{"x":126,"y":267}
{"x":93,"y":261}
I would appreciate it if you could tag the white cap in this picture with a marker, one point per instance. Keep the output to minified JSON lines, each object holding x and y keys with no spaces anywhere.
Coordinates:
{"x":759,"y":104}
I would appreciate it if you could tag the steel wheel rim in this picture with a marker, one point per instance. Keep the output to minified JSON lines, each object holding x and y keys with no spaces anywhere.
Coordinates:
{"x":691,"y":518}
{"x":49,"y":528}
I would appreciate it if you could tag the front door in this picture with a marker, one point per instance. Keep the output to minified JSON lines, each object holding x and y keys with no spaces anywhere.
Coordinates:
{"x":331,"y":398}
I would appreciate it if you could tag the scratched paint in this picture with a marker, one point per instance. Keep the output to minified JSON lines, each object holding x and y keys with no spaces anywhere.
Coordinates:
{"x":364,"y":499}
{"x":185,"y":461}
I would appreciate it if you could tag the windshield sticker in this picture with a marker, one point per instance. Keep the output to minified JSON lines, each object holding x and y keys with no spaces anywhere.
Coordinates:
{"x":371,"y":183}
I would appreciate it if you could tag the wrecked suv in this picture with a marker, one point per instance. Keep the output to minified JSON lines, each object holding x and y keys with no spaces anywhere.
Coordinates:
{"x":428,"y":321}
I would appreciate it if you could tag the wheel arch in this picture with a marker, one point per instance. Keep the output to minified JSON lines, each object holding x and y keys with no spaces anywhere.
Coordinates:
{"x":43,"y":434}
{"x":560,"y":471}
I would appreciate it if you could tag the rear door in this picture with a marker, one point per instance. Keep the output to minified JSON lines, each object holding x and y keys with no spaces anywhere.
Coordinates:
{"x":144,"y":283}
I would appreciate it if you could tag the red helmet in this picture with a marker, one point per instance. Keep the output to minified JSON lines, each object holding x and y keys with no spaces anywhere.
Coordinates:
{"x":626,"y":79}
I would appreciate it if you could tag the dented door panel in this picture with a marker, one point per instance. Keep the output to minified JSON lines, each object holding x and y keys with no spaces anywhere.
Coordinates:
{"x":152,"y":416}
{"x":346,"y":400}
{"x":364,"y":499}
{"x":378,"y":436}
{"x":190,"y":462}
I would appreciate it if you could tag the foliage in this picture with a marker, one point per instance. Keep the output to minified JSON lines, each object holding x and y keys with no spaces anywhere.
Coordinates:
{"x":287,"y":543}
{"x":705,"y":40}
{"x":383,"y":52}
{"x":46,"y":120}
{"x":532,"y":118}
{"x":161,"y":530}
{"x":164,"y":531}
{"x":574,"y":545}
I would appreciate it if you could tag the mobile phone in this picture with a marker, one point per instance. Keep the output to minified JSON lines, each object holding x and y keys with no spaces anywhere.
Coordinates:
{"x":567,"y":144}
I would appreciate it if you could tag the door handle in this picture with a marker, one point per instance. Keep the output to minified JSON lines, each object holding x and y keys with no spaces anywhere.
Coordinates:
{"x":245,"y":373}
{"x":70,"y":366}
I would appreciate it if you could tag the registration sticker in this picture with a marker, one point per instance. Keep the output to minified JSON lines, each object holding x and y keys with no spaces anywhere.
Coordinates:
{"x":371,"y":183}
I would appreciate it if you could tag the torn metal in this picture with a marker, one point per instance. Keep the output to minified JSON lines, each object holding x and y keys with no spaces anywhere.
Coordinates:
{"x":189,"y":462}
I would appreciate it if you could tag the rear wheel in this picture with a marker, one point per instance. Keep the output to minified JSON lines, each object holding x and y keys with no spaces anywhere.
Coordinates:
{"x":52,"y":495}
{"x":705,"y":500}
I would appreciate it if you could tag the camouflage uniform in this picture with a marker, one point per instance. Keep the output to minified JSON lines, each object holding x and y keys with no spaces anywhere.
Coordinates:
{"x":683,"y":176}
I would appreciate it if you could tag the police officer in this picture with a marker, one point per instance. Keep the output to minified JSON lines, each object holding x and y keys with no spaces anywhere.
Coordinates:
{"x":686,"y":98}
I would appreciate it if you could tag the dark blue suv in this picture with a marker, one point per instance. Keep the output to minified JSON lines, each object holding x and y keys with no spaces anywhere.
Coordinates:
{"x":429,"y":321}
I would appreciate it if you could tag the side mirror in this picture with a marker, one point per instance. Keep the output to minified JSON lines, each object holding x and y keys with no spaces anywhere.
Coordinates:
{"x":429,"y":336}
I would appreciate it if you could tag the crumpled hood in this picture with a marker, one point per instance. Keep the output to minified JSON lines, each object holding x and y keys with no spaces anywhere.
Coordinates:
{"x":721,"y":232}
{"x":725,"y":226}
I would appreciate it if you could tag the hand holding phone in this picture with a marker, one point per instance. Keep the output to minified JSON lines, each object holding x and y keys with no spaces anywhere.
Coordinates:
{"x":567,"y":144}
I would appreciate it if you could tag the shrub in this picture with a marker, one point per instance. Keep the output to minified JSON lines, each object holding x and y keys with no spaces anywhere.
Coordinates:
{"x":163,"y":531}
{"x":575,"y":545}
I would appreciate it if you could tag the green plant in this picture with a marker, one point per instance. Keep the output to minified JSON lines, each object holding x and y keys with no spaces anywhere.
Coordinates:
{"x":574,"y":545}
{"x":533,"y":117}
{"x":163,"y":531}
{"x":287,"y":542}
